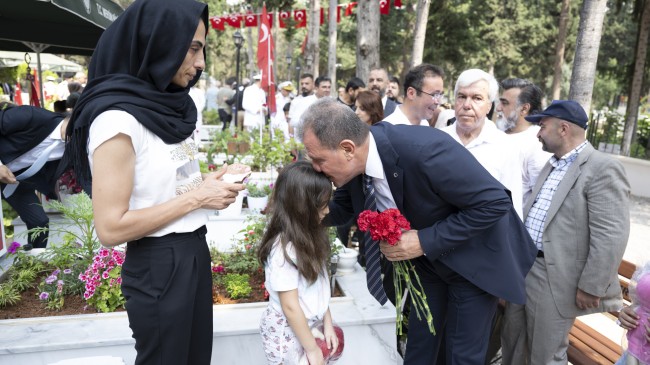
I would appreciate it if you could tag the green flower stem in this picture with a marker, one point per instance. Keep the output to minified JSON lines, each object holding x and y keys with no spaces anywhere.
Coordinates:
{"x":402,"y":273}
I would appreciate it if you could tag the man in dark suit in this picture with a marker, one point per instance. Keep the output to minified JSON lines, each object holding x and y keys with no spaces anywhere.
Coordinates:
{"x":26,"y":134}
{"x":467,"y":243}
{"x":378,"y":83}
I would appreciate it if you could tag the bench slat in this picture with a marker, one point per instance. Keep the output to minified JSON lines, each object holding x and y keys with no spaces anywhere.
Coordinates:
{"x":580,"y":353}
{"x":587,"y":336}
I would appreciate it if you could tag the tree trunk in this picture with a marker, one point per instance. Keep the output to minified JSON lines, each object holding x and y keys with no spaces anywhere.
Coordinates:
{"x":331,"y":58}
{"x":632,"y":111}
{"x":252,"y":55}
{"x":592,"y":16}
{"x":367,"y":37}
{"x":559,"y":49}
{"x":420,"y":31}
{"x":313,"y":50}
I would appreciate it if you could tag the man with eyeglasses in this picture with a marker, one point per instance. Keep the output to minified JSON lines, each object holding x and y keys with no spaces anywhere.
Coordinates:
{"x":474,"y":92}
{"x":423,"y":86}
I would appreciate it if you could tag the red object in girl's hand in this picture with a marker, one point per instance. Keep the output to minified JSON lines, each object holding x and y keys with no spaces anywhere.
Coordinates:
{"x":328,"y":356}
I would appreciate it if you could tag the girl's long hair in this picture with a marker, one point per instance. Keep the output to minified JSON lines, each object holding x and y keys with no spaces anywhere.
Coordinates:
{"x":298,"y":196}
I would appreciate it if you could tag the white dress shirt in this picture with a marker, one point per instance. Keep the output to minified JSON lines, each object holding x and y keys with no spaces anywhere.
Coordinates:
{"x":398,"y":117}
{"x":375,"y":169}
{"x":28,"y":158}
{"x":498,"y":157}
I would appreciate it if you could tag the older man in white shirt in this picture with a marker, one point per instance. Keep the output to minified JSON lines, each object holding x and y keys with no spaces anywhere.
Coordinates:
{"x":475,"y":91}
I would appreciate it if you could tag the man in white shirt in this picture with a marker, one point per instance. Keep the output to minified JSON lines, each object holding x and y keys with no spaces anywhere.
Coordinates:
{"x":323,"y":87}
{"x":378,"y":83}
{"x":474,"y":92}
{"x":519,"y":99}
{"x":423,"y":86}
{"x":31,"y":146}
{"x":254,"y":104}
{"x":301,"y":103}
{"x":283,"y":97}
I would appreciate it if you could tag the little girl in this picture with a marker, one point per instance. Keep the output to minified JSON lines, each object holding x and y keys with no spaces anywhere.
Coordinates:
{"x":636,"y":320}
{"x":294,"y":251}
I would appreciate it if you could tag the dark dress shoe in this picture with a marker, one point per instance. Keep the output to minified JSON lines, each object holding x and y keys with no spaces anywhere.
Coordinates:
{"x":27,"y":247}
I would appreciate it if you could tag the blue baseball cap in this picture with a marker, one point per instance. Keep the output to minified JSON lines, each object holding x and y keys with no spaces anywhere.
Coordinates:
{"x":568,"y":110}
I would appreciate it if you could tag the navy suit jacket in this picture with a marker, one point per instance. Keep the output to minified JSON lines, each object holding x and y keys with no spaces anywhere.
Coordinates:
{"x":464,"y":217}
{"x":390,"y":107}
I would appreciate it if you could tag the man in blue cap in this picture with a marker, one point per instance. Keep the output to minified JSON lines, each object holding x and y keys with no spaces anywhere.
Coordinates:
{"x":579,"y":220}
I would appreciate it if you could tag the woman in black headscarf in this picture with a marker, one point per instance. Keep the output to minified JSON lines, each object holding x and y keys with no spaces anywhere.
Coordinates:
{"x":132,"y":127}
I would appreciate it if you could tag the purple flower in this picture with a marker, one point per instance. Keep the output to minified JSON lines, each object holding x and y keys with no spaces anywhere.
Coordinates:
{"x":13,"y":247}
{"x":60,"y":282}
{"x":50,"y":279}
{"x":67,"y":271}
{"x":44,"y":295}
{"x":56,"y":272}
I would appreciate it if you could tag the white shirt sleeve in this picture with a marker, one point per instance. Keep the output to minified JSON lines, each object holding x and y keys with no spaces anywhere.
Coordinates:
{"x":284,"y":275}
{"x":111,"y":123}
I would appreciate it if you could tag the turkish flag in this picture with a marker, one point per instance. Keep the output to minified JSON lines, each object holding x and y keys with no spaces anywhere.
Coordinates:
{"x":250,"y":20}
{"x":265,"y":60}
{"x":284,"y":15}
{"x":18,"y":95}
{"x":322,"y":16}
{"x":217,"y":23}
{"x":33,"y":97}
{"x":397,"y":4}
{"x":300,"y":16}
{"x":349,"y":8}
{"x":233,"y":20}
{"x":384,"y":7}
{"x":269,"y":17}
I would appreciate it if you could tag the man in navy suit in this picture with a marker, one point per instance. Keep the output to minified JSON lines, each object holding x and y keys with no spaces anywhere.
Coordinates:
{"x":26,"y":133}
{"x":467,"y":243}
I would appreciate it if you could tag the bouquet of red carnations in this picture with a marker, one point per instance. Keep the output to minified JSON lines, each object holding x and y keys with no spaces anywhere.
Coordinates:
{"x":388,"y":226}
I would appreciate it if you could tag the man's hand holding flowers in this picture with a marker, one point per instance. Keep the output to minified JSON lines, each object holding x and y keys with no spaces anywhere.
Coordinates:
{"x":408,"y":247}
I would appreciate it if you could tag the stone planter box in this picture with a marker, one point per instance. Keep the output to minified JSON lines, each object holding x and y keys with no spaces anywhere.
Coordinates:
{"x":369,"y":332}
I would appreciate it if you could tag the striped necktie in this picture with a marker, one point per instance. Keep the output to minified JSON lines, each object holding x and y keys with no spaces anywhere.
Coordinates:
{"x":373,"y":264}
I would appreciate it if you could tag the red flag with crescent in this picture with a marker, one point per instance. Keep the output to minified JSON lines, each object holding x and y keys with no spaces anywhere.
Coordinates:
{"x":217,"y":23}
{"x":33,"y":95}
{"x":384,"y":7}
{"x":284,"y":15}
{"x":349,"y":8}
{"x":300,"y":16}
{"x":233,"y":20}
{"x":265,"y":60}
{"x":250,"y":20}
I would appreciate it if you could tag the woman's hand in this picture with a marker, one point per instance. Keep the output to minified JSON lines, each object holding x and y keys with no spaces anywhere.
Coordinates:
{"x":214,"y":193}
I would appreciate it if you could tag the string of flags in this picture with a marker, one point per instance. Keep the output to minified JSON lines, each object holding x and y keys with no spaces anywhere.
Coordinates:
{"x":299,"y":17}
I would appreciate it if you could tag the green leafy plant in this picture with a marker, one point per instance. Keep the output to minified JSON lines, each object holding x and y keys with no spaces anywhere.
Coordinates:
{"x":238,"y":285}
{"x":272,"y":152}
{"x":258,"y":189}
{"x":9,"y":295}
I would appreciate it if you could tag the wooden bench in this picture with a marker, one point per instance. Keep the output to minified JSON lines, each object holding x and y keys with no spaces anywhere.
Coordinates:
{"x":588,"y":346}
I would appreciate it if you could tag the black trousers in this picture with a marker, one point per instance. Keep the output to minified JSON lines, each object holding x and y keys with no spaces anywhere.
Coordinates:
{"x":167,"y":284}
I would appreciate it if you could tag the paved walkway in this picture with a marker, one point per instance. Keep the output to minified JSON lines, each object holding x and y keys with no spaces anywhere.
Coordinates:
{"x":638,"y":246}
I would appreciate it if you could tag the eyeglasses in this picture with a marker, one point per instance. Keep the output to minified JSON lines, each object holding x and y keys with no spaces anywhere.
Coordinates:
{"x":435,"y":96}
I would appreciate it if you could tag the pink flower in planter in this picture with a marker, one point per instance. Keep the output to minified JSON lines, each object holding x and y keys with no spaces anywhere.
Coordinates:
{"x":13,"y":247}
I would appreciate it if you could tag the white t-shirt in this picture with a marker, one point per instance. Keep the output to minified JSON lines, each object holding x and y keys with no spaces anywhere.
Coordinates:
{"x":162,"y":171}
{"x":532,"y":158}
{"x":297,"y":109}
{"x":283,"y":276}
{"x":492,"y":150}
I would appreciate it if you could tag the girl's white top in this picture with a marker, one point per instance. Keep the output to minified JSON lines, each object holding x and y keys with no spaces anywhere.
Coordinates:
{"x":283,"y":276}
{"x":162,"y":171}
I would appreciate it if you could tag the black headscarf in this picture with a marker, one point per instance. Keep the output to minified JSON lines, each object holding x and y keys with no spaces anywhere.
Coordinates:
{"x":132,"y":68}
